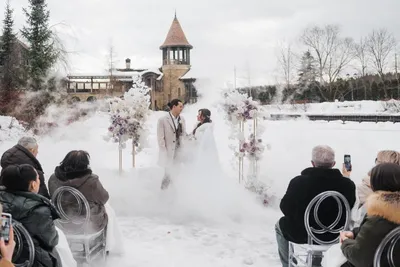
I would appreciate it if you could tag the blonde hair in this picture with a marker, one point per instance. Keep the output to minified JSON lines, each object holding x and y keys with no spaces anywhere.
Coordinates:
{"x":388,"y":156}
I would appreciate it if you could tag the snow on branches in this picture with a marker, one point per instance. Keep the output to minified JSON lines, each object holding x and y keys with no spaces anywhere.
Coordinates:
{"x":129,"y":114}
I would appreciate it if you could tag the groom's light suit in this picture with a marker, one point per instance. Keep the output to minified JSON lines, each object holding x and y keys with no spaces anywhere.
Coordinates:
{"x":167,"y":139}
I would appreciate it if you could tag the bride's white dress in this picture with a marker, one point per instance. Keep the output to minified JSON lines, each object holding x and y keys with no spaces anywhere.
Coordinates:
{"x":202,"y":191}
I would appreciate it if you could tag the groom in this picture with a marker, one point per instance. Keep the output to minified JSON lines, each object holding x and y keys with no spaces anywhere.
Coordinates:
{"x":170,"y":129}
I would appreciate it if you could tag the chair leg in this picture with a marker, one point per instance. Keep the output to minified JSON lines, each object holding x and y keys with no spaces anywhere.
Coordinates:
{"x":87,"y":250}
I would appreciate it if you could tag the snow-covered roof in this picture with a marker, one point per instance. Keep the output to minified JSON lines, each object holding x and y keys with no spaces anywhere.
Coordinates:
{"x":152,"y":70}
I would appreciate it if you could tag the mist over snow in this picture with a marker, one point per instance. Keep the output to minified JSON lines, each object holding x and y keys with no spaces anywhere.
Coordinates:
{"x":201,"y":221}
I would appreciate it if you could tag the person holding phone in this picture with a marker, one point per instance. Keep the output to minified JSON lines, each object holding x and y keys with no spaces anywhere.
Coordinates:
{"x":20,"y":198}
{"x":7,"y":250}
{"x":7,"y":246}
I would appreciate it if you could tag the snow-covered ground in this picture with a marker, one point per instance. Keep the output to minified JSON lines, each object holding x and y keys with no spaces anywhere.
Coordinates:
{"x":206,"y":224}
{"x":391,"y":107}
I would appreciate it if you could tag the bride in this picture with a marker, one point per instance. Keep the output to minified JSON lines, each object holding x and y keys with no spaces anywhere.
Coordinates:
{"x":204,"y":148}
{"x":203,"y":191}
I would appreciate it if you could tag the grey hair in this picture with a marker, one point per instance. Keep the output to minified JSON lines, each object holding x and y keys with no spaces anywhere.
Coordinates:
{"x":323,"y":156}
{"x":28,"y":142}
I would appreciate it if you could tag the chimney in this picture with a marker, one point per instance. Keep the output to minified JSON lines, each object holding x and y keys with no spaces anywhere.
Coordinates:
{"x":128,"y":63}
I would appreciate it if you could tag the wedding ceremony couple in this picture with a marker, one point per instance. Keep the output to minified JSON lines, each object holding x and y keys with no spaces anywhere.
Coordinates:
{"x":178,"y":149}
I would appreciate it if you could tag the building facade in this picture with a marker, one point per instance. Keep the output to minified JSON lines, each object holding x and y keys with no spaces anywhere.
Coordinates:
{"x":172,"y":80}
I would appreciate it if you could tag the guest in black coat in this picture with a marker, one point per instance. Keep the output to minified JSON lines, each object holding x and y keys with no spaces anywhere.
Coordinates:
{"x":25,"y":152}
{"x":35,"y":212}
{"x":301,"y":190}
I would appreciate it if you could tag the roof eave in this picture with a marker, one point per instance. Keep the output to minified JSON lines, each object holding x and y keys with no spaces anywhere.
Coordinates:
{"x":176,"y":45}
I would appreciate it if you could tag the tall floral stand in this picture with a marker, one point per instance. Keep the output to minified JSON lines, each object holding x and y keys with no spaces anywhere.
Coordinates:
{"x":120,"y":147}
{"x":240,"y":156}
{"x":133,"y":154}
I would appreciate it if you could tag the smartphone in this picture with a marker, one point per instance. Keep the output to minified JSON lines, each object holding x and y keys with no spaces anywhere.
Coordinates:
{"x":347,"y":162}
{"x":6,"y":221}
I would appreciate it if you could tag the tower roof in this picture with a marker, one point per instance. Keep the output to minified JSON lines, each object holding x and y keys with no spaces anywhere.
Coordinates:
{"x":176,"y":37}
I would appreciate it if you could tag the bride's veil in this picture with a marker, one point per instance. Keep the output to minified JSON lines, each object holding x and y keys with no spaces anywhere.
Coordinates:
{"x":206,"y":159}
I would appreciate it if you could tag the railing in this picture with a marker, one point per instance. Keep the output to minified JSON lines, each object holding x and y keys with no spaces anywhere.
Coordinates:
{"x":343,"y":118}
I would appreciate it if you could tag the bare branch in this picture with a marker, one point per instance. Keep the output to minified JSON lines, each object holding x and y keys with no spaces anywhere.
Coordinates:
{"x":381,"y":44}
{"x":287,"y":61}
{"x":361,"y":55}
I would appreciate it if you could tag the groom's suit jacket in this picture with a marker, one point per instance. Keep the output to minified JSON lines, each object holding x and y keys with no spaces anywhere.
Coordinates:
{"x":167,"y":140}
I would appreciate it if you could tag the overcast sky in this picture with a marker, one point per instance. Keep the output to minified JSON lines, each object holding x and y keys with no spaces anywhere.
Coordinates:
{"x":224,"y":33}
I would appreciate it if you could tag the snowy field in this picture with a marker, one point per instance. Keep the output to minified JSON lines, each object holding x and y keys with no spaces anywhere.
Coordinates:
{"x":391,"y":107}
{"x":213,"y":222}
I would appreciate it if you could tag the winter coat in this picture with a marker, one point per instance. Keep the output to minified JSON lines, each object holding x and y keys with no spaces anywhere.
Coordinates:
{"x":301,"y":190}
{"x":364,"y":190}
{"x":167,"y":140}
{"x":90,"y":186}
{"x":18,"y":155}
{"x":37,"y":215}
{"x":382,"y":217}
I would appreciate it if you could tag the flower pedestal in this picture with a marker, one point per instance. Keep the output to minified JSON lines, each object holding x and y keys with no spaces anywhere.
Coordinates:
{"x":133,"y":154}
{"x":128,"y":118}
{"x":120,"y":147}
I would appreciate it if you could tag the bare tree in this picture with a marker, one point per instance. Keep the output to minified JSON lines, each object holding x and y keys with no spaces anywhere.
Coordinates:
{"x":332,"y":53}
{"x":381,"y":44}
{"x":287,"y":63}
{"x":111,"y":61}
{"x":361,"y":55}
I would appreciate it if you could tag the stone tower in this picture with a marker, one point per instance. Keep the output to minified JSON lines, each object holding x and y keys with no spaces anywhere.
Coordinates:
{"x":175,"y":62}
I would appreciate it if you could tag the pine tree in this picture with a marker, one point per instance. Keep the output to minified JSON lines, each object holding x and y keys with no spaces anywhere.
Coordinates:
{"x":8,"y":38}
{"x":307,"y":72}
{"x":11,"y":64}
{"x":42,"y":53}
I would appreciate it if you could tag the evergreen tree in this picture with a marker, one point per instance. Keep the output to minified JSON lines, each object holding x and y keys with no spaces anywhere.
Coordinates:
{"x":8,"y":38}
{"x":11,"y":63}
{"x":307,"y":84}
{"x":42,"y":53}
{"x":307,"y":72}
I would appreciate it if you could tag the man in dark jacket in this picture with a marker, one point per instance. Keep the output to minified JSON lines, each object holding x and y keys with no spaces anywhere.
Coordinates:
{"x":301,"y":190}
{"x":25,"y":152}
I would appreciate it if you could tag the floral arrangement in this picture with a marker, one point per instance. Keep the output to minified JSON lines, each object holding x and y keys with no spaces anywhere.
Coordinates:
{"x":129,"y":114}
{"x":253,"y":148}
{"x":239,"y":107}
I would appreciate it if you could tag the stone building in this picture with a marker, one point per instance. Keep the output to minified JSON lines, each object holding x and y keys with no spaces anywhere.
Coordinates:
{"x":172,"y":80}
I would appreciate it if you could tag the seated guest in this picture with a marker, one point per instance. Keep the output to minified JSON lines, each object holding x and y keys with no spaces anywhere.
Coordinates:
{"x":384,"y":156}
{"x":359,"y":246}
{"x":74,"y":171}
{"x":25,"y":152}
{"x":319,"y":178}
{"x":20,"y":198}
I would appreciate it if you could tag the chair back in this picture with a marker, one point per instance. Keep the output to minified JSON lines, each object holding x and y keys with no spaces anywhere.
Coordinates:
{"x":73,"y":208}
{"x":314,"y":206}
{"x":24,"y":252}
{"x":390,"y":241}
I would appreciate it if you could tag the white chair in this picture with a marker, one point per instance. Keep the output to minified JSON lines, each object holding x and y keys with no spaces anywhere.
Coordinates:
{"x":85,"y":245}
{"x":24,"y":252}
{"x":304,"y":253}
{"x":391,"y":239}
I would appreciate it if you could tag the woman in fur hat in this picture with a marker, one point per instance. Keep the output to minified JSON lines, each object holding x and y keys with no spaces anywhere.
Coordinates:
{"x":383,"y":215}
